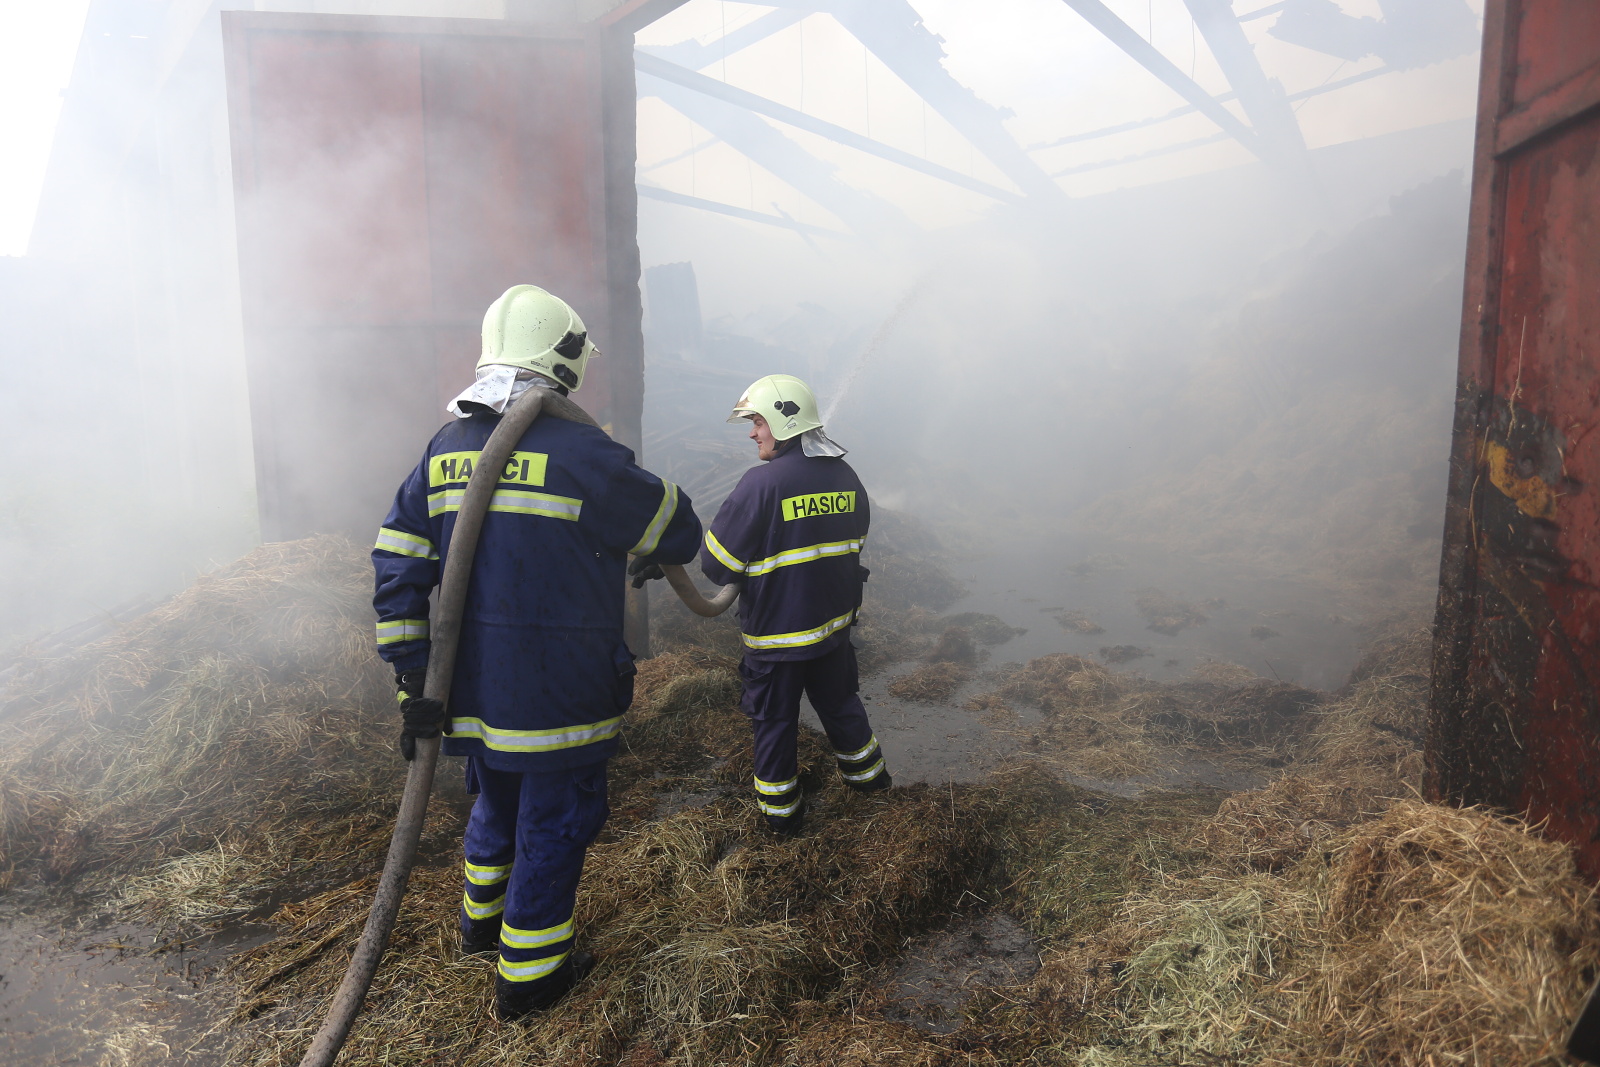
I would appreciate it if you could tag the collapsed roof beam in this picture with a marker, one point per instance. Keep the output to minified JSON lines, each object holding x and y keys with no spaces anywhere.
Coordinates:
{"x":655,"y":192}
{"x":1150,"y":58}
{"x":697,"y":56}
{"x":893,"y":31}
{"x":654,"y":65}
{"x":869,"y":215}
{"x":1263,"y":98}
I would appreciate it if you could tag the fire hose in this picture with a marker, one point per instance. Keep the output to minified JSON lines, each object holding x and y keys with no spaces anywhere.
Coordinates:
{"x":446,"y":633}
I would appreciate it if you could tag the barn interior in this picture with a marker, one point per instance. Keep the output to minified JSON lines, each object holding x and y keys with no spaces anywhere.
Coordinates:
{"x":1141,"y":325}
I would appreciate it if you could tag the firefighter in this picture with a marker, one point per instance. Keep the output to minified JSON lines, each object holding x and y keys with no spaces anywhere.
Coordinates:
{"x":542,"y":675}
{"x":792,"y":532}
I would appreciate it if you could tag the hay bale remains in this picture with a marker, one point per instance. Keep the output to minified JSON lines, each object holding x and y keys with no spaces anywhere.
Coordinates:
{"x":1166,"y":614}
{"x":932,"y":683}
{"x":1079,"y":623}
{"x":236,"y":736}
{"x":1123,"y":653}
{"x":955,"y":645}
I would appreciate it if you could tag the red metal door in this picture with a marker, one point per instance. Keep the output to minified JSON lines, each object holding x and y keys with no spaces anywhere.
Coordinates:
{"x":1515,"y":721}
{"x":393,"y":176}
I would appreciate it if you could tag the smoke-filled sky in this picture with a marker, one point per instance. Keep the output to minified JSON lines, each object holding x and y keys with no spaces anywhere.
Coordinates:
{"x":37,"y":43}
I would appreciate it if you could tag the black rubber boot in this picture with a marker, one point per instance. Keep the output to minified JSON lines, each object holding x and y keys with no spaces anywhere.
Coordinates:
{"x":872,"y":785}
{"x":785,"y":825}
{"x":482,"y":941}
{"x":518,"y":1000}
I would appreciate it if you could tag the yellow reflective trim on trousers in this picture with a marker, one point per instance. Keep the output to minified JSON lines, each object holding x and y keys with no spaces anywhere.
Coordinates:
{"x":775,"y":789}
{"x":404,"y":544}
{"x":397,"y":630}
{"x":478,"y":874}
{"x":866,"y":775}
{"x":534,"y":740}
{"x":527,"y":972}
{"x":773,"y":809}
{"x":512,"y":501}
{"x":486,"y":910}
{"x":726,"y":558}
{"x":860,"y":753}
{"x":792,"y":556}
{"x":801,"y":638}
{"x":651,"y":538}
{"x":511,"y":937}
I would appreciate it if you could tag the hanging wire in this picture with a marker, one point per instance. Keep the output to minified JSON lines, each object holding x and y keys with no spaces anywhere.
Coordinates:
{"x":724,"y":9}
{"x":802,"y":64}
{"x":1150,"y":21}
{"x":1193,"y":47}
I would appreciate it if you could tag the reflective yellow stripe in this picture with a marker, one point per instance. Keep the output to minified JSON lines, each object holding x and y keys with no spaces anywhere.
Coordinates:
{"x":514,"y":501}
{"x":773,"y":809}
{"x":803,"y":637}
{"x":534,"y":740}
{"x":403,"y":544}
{"x":478,"y":874}
{"x":860,"y":753}
{"x":486,"y":910}
{"x":511,"y":937}
{"x":527,"y":972}
{"x":658,"y":525}
{"x":773,"y":789}
{"x":397,"y":630}
{"x":870,"y":773}
{"x":792,"y":556}
{"x":726,"y":558}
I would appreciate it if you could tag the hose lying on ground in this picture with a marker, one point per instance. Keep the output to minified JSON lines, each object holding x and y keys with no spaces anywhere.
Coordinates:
{"x":446,"y":633}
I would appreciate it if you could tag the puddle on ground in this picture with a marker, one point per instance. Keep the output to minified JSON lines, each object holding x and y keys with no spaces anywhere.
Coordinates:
{"x":940,"y":971}
{"x":79,"y":992}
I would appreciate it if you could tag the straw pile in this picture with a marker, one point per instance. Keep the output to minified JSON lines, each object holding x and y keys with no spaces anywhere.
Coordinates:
{"x":711,"y":933}
{"x":237,"y":737}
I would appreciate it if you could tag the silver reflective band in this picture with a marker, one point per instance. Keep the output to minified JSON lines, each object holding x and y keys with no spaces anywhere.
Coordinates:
{"x":513,"y":501}
{"x":859,"y":754}
{"x":404,"y":544}
{"x":480,"y":875}
{"x":651,"y":539}
{"x":803,"y":637}
{"x":487,"y":910}
{"x":775,"y":789}
{"x":535,"y":740}
{"x":773,"y":809}
{"x":871,"y":772}
{"x":514,"y":938}
{"x":802,"y":555}
{"x":397,"y":630}
{"x":527,"y":972}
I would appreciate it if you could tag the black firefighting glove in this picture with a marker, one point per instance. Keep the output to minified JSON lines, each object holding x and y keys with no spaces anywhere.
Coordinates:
{"x":645,"y":569}
{"x":419,"y":716}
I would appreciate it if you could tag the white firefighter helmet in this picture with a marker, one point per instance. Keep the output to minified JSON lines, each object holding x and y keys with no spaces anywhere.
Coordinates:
{"x":784,"y":401}
{"x":537,"y":331}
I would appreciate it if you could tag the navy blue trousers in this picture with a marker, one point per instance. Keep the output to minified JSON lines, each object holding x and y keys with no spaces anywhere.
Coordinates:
{"x":771,"y":699}
{"x":524,"y":846}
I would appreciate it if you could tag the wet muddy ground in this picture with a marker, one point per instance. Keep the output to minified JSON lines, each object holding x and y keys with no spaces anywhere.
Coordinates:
{"x":90,"y":991}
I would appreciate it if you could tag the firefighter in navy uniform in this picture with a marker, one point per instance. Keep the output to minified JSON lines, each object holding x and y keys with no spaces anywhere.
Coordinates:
{"x":792,"y":532}
{"x":542,"y":675}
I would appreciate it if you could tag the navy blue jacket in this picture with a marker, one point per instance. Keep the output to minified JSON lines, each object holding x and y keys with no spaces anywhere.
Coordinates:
{"x":542,"y":674}
{"x":792,"y":531}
